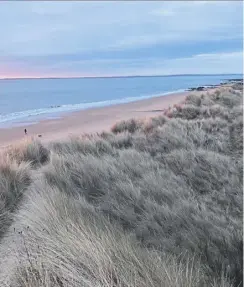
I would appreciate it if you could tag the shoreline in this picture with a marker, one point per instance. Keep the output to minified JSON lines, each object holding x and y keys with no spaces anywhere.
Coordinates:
{"x":96,"y":119}
{"x":91,"y":120}
{"x":34,"y":116}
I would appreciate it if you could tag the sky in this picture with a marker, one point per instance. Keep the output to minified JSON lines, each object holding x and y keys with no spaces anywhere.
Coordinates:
{"x":96,"y":39}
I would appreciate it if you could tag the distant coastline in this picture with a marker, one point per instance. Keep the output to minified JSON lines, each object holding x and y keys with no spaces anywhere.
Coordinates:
{"x":112,"y":77}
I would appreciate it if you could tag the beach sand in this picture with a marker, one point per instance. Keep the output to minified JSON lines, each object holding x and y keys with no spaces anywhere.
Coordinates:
{"x":91,"y":120}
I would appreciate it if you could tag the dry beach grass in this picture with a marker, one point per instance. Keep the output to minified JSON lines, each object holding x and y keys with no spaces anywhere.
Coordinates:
{"x":151,"y":203}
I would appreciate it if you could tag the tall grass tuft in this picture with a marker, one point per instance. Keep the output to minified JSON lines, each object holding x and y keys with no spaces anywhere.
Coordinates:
{"x":29,"y":150}
{"x":14,"y":179}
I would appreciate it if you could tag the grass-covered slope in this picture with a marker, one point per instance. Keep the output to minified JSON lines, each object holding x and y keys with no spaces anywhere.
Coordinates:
{"x":155,"y":203}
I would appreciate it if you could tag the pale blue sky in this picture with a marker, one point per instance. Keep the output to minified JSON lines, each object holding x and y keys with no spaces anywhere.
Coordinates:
{"x":43,"y":39}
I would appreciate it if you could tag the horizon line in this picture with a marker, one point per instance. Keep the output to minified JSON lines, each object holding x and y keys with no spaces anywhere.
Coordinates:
{"x":104,"y":77}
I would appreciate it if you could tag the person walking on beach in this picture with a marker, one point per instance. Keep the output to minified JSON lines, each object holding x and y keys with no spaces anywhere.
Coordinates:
{"x":26,"y":131}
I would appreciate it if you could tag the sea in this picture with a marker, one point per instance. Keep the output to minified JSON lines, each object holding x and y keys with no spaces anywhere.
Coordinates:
{"x":27,"y":101}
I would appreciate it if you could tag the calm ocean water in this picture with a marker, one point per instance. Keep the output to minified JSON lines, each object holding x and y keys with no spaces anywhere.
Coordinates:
{"x":30,"y":100}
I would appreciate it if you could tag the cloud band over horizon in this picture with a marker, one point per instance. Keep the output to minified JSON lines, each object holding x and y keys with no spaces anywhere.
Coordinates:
{"x":71,"y":39}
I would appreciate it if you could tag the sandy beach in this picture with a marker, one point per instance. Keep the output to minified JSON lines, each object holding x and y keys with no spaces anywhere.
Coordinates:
{"x":90,"y":120}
